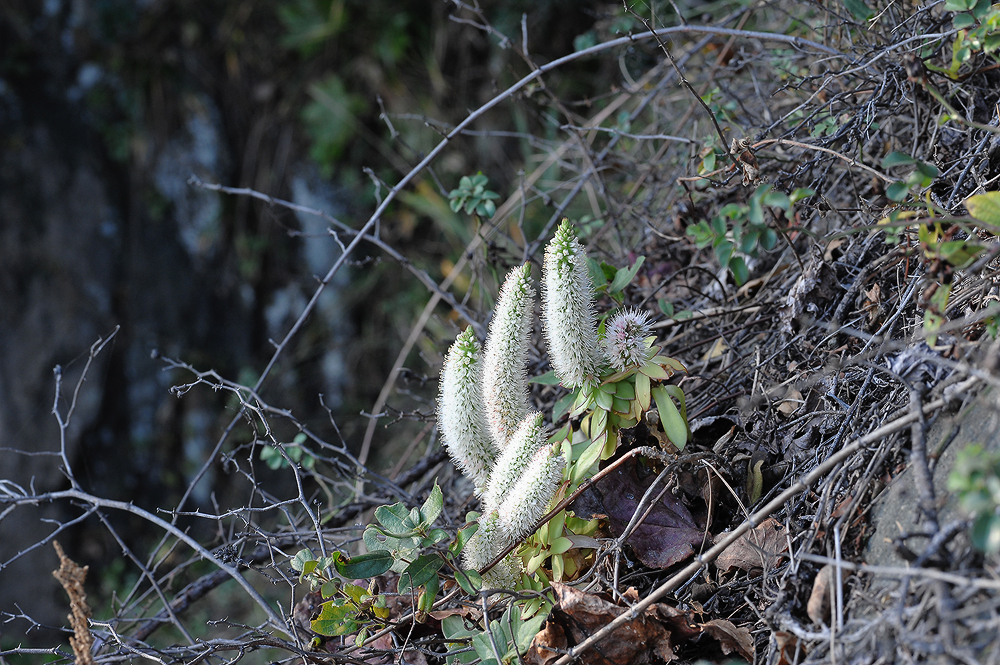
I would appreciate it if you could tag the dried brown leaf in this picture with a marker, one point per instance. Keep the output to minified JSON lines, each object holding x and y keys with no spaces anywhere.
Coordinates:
{"x":731,"y":639}
{"x":755,"y":549}
{"x":634,"y":642}
{"x":547,"y":645}
{"x":820,"y":600}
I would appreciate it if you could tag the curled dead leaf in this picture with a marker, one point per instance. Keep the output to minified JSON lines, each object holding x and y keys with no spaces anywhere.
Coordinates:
{"x":548,"y":645}
{"x":731,"y":639}
{"x":820,"y":605}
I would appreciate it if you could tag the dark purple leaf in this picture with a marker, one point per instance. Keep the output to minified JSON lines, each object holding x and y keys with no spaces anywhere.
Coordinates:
{"x":667,"y":536}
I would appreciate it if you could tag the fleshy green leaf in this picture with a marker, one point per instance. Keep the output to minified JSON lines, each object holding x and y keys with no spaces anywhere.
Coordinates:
{"x":624,"y":276}
{"x":470,"y":581}
{"x":897,"y":191}
{"x":547,"y":379}
{"x":739,"y":268}
{"x":897,"y":159}
{"x":673,"y":423}
{"x":603,"y":399}
{"x":624,"y":390}
{"x":363,"y":566}
{"x":589,"y":456}
{"x":642,"y":390}
{"x":654,"y":371}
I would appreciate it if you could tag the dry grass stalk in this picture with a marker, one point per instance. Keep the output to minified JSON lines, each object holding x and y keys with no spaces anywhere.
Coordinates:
{"x":71,"y":577}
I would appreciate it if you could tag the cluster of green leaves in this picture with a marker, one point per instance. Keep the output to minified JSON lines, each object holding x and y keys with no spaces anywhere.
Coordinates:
{"x":826,"y":124}
{"x":723,"y":108}
{"x":611,"y":280}
{"x":511,"y":633}
{"x":978,"y":25}
{"x":939,"y":244}
{"x":956,"y":253}
{"x":404,"y":541}
{"x":620,"y":400}
{"x":975,"y":478}
{"x":921,"y":177}
{"x":295,"y":451}
{"x":552,"y":543}
{"x":331,"y":119}
{"x":472,"y":196}
{"x":350,"y":608}
{"x":740,"y":230}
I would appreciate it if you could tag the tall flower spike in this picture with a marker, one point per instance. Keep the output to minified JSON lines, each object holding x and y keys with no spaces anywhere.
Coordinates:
{"x":483,"y":547}
{"x":505,"y":387}
{"x":514,"y":460}
{"x":527,"y":502}
{"x":460,"y":416}
{"x":625,"y":339}
{"x":568,"y":317}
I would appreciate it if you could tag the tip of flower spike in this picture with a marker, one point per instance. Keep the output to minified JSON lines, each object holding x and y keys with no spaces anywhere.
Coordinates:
{"x":625,"y":339}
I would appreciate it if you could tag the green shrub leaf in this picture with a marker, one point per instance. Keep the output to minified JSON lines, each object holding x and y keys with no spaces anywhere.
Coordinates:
{"x":985,"y":207}
{"x":363,"y":566}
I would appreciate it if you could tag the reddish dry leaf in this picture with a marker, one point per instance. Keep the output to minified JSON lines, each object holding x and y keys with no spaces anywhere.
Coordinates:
{"x":547,"y":646}
{"x":754,"y":549}
{"x":651,"y":637}
{"x":667,"y":536}
{"x":583,"y":614}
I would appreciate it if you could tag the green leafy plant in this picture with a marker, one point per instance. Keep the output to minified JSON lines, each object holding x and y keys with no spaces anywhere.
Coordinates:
{"x":517,"y":466}
{"x":404,"y":541}
{"x":921,"y":177}
{"x":331,"y":119}
{"x":976,"y":479}
{"x":511,"y":633}
{"x":739,"y":231}
{"x":472,"y":196}
{"x":978,"y":25}
{"x":944,"y":248}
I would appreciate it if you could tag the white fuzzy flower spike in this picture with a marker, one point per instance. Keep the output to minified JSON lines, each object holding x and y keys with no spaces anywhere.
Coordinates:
{"x":530,"y":436}
{"x":505,"y":387}
{"x":460,"y":415}
{"x":527,"y":502}
{"x":505,"y":575}
{"x":568,"y":317}
{"x":625,"y":339}
{"x":485,"y":543}
{"x":483,"y":547}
